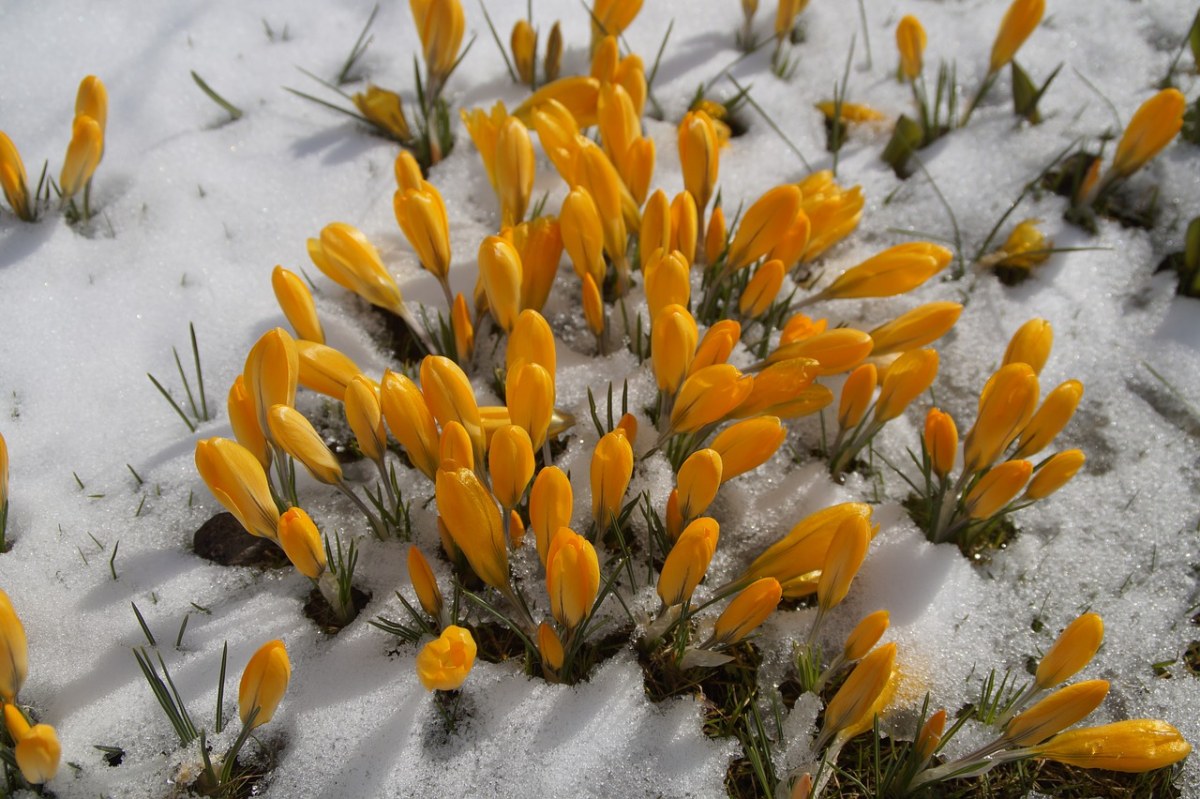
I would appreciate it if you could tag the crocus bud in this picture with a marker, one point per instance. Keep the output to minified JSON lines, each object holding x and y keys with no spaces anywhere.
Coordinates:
{"x":531,"y":340}
{"x":857,"y":393}
{"x":605,"y":55}
{"x":763,"y":225}
{"x":593,"y":305}
{"x":1072,"y":650}
{"x":302,"y":543}
{"x":762,"y":289}
{"x":554,"y":48}
{"x":365,"y":417}
{"x":791,"y":245}
{"x":410,"y":421}
{"x":572,"y":577}
{"x":549,"y":645}
{"x":271,"y":372}
{"x":297,"y":304}
{"x":1054,"y":474}
{"x":941,"y":441}
{"x":36,"y":749}
{"x":440,"y":24}
{"x":747,"y":611}
{"x":999,"y":486}
{"x":836,"y":351}
{"x":1030,"y":344}
{"x":455,"y":445}
{"x":464,"y":331}
{"x":449,"y":396}
{"x":242,"y":418}
{"x":91,"y":99}
{"x":865,"y":635}
{"x":709,"y":395}
{"x":1019,"y":21}
{"x":673,"y":338}
{"x":582,"y":233}
{"x":910,"y":41}
{"x":930,"y":736}
{"x":514,"y":170}
{"x":578,"y":95}
{"x":802,"y":787}
{"x":908,"y":378}
{"x":1005,"y":406}
{"x":715,"y":237}
{"x":1049,"y":420}
{"x":748,"y":444}
{"x":236,"y":478}
{"x":408,"y":171}
{"x":510,"y":464}
{"x":610,"y":18}
{"x":500,"y":268}
{"x":348,"y":259}
{"x":264,"y":682}
{"x":529,"y":391}
{"x":894,"y":271}
{"x":83,"y":155}
{"x":916,"y":328}
{"x":698,"y":480}
{"x":799,"y":327}
{"x":296,"y":436}
{"x":385,"y":110}
{"x":540,"y":245}
{"x":845,"y":555}
{"x":698,"y":156}
{"x":444,"y":663}
{"x":684,"y":226}
{"x":833,"y":213}
{"x":1133,"y":746}
{"x":803,"y":548}
{"x":550,"y":503}
{"x":424,"y":583}
{"x":860,"y":690}
{"x":14,"y":651}
{"x":323,"y":369}
{"x":612,"y":468}
{"x":687,"y":561}
{"x":779,"y":388}
{"x":473,"y":521}
{"x":655,"y":232}
{"x":524,"y":51}
{"x":13,"y":179}
{"x":619,"y":123}
{"x":421,"y":214}
{"x":667,"y":281}
{"x":1055,"y":713}
{"x":717,"y":344}
{"x":1152,"y":127}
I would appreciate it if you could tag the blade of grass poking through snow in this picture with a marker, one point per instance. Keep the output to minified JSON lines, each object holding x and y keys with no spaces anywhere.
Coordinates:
{"x":866,"y":31}
{"x":837,"y":136}
{"x":745,"y":91}
{"x":512,"y":73}
{"x":234,"y":112}
{"x":142,"y":623}
{"x":220,"y":714}
{"x":1116,"y":115}
{"x":167,"y":396}
{"x":662,"y":46}
{"x":360,"y":46}
{"x":1175,"y":392}
{"x":958,"y":256}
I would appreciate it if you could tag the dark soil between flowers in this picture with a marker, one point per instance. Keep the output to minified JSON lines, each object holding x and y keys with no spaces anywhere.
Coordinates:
{"x":318,"y":609}
{"x":251,"y":772}
{"x":223,"y":541}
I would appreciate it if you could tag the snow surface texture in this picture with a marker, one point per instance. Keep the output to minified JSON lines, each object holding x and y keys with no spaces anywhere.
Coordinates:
{"x":195,"y":212}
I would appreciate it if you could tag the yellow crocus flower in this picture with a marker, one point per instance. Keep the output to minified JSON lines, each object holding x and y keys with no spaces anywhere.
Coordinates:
{"x":449,"y":397}
{"x":514,"y":170}
{"x":296,"y":436}
{"x":1071,"y":651}
{"x":857,"y":393}
{"x":894,"y":271}
{"x":13,"y":179}
{"x":684,"y":226}
{"x":910,"y":41}
{"x":348,"y":259}
{"x":409,"y":419}
{"x":550,"y":647}
{"x":717,"y":344}
{"x":699,"y":157}
{"x":611,"y":470}
{"x":236,"y":478}
{"x":421,"y":215}
{"x":14,"y":651}
{"x":473,"y":521}
{"x":296,"y":302}
{"x":747,"y":611}
{"x":655,"y":231}
{"x":572,"y":577}
{"x":524,"y":50}
{"x":1054,"y":474}
{"x":688,"y":561}
{"x":941,"y":441}
{"x":843,"y":558}
{"x":1055,"y":713}
{"x":455,"y":445}
{"x":908,"y":378}
{"x":529,"y":391}
{"x":865,"y":635}
{"x":673,"y":338}
{"x":271,"y":373}
{"x":748,"y":444}
{"x":835,"y":351}
{"x":763,"y":225}
{"x":858,"y":694}
{"x":999,"y":486}
{"x":698,"y":479}
{"x":510,"y":464}
{"x":424,"y":583}
{"x":666,"y":281}
{"x":36,"y":749}
{"x":444,"y":663}
{"x":384,"y":109}
{"x":1132,"y":746}
{"x":916,"y":328}
{"x":540,"y":245}
{"x":583,"y":234}
{"x":1031,"y":344}
{"x":1049,"y":420}
{"x":762,"y":289}
{"x":440,"y":24}
{"x":550,"y":504}
{"x":83,"y":155}
{"x":264,"y":682}
{"x":365,"y":417}
{"x":1152,"y":128}
{"x":301,"y":542}
{"x":1006,"y":405}
{"x":803,"y":548}
{"x":1019,"y":21}
{"x":532,"y":340}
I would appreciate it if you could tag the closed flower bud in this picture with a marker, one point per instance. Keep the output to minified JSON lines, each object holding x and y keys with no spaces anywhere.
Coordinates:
{"x":524,"y":51}
{"x":83,"y":155}
{"x":473,"y":521}
{"x":514,"y":170}
{"x":1005,"y":406}
{"x":540,"y":245}
{"x":298,"y":438}
{"x":1133,"y":746}
{"x":687,"y":561}
{"x":908,"y":378}
{"x":36,"y":749}
{"x":484,"y":129}
{"x":763,"y":225}
{"x":605,"y":55}
{"x":365,"y":417}
{"x":619,"y":123}
{"x":91,"y":99}
{"x":444,"y":663}
{"x":698,"y":480}
{"x":424,"y":583}
{"x":778,"y":386}
{"x":1019,"y":21}
{"x":1049,"y":420}
{"x":455,"y":446}
{"x":865,"y":635}
{"x":554,"y":48}
{"x":500,"y":269}
{"x":236,"y":478}
{"x":421,"y":214}
{"x":14,"y":651}
{"x":550,"y":504}
{"x":583,"y":236}
{"x":13,"y":179}
{"x":673,"y":339}
{"x":655,"y":231}
{"x":264,"y":682}
{"x":410,"y":421}
{"x":1054,"y":474}
{"x":748,"y":444}
{"x":709,"y":395}
{"x":717,"y":344}
{"x":698,"y":156}
{"x":271,"y":372}
{"x":440,"y":25}
{"x":1055,"y":713}
{"x":1031,"y":345}
{"x":595,"y":173}
{"x":510,"y":464}
{"x":762,"y":289}
{"x":999,"y":486}
{"x":715,"y":237}
{"x":408,"y":171}
{"x":549,"y":646}
{"x":791,"y":245}
{"x":529,"y":391}
{"x":838,"y":350}
{"x":532,"y":340}
{"x":242,"y":418}
{"x":1025,"y":247}
{"x":323,"y":369}
{"x":1151,"y":129}
{"x":516,"y":530}
{"x":684,"y":226}
{"x":667,"y":281}
{"x":747,"y":611}
{"x":383,"y":109}
{"x":803,"y":548}
{"x":941,"y":441}
{"x":572,"y":577}
{"x":301,"y":542}
{"x":833,"y":214}
{"x":612,"y":468}
{"x":894,"y":271}
{"x":297,"y":304}
{"x":577,"y":94}
{"x":612,"y":17}
{"x":464,"y":331}
{"x":449,"y":397}
{"x":348,"y":259}
{"x":1072,"y":650}
{"x":910,"y":41}
{"x":799,"y":327}
{"x":916,"y":328}
{"x":857,"y":393}
{"x":843,"y":558}
{"x":861,"y":689}
{"x":930,"y":736}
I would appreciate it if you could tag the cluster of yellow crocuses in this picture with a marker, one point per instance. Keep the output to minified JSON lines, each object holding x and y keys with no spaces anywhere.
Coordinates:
{"x":33,"y":747}
{"x":82,"y":158}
